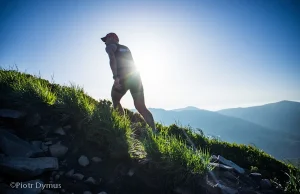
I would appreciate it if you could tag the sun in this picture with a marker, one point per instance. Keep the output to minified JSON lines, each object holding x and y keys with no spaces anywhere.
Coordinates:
{"x":150,"y":63}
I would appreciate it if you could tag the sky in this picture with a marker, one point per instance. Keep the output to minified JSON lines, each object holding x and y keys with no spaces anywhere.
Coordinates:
{"x":211,"y":54}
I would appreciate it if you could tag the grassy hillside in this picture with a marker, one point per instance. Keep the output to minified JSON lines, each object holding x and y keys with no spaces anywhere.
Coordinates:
{"x":169,"y":156}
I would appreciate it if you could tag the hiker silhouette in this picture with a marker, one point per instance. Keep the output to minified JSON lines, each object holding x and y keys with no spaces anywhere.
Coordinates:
{"x":126,"y":77}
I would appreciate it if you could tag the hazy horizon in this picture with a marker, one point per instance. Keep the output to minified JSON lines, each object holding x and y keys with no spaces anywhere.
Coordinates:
{"x":238,"y":106}
{"x":209,"y":54}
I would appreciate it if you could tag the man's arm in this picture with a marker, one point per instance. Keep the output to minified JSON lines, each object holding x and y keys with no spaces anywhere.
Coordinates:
{"x":110,"y":49}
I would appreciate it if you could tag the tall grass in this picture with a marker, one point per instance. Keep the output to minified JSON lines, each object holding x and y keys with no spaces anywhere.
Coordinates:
{"x":174,"y":161}
{"x":24,"y":90}
{"x":293,"y":184}
{"x":74,"y":102}
{"x":108,"y":128}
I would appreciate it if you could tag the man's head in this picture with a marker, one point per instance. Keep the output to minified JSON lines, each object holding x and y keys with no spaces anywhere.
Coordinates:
{"x":110,"y":38}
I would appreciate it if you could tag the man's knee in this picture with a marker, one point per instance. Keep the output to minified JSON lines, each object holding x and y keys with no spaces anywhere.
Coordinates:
{"x":116,"y":97}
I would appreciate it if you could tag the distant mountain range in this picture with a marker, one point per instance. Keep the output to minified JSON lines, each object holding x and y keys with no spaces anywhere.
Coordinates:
{"x":281,"y":116}
{"x":275,"y":127}
{"x":186,"y":108}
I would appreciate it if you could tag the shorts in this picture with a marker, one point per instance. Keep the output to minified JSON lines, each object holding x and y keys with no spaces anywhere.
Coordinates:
{"x":132,"y":83}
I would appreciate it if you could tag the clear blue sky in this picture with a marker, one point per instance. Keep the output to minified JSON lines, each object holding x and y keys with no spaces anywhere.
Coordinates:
{"x":211,"y":54}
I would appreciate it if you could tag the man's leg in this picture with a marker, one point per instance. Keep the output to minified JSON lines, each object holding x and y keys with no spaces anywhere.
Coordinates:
{"x":116,"y":98}
{"x":139,"y":103}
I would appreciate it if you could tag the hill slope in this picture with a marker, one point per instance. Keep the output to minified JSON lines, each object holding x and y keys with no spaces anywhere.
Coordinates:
{"x":51,"y":134}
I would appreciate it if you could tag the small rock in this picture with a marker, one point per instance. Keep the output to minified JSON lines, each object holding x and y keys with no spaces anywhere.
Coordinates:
{"x":58,"y":150}
{"x":37,"y":144}
{"x":22,"y":167}
{"x":48,"y":143}
{"x":12,"y":145}
{"x":34,"y":120}
{"x":102,"y":192}
{"x":67,"y":127}
{"x":87,"y":192}
{"x":70,"y":173}
{"x":57,"y":177}
{"x":96,"y":159}
{"x":256,"y":176}
{"x":62,"y":190}
{"x":60,"y":131}
{"x":90,"y":180}
{"x":78,"y":176}
{"x":130,"y":172}
{"x":231,"y":164}
{"x":13,"y":114}
{"x":83,"y":161}
{"x":265,"y":184}
{"x":213,"y":158}
{"x":221,"y":166}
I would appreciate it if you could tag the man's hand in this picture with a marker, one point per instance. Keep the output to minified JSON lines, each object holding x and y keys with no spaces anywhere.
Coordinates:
{"x":117,"y":84}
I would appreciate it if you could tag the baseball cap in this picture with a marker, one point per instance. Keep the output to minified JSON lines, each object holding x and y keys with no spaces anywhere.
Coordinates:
{"x":110,"y":35}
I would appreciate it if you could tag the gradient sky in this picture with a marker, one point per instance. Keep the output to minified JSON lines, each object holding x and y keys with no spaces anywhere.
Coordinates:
{"x":211,"y":54}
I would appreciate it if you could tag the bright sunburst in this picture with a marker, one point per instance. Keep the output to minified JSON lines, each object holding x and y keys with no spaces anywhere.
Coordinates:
{"x":151,"y":64}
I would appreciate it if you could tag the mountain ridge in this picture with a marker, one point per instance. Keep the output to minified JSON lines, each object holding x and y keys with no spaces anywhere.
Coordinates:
{"x":280,"y":116}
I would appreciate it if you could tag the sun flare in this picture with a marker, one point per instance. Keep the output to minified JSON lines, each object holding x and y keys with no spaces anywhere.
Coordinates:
{"x":150,"y":64}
